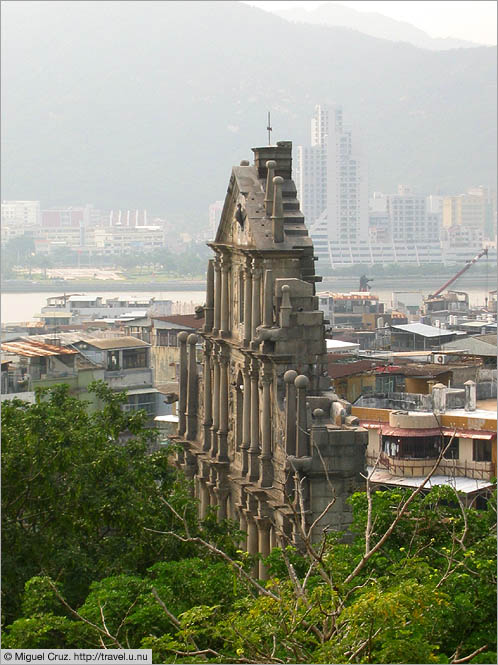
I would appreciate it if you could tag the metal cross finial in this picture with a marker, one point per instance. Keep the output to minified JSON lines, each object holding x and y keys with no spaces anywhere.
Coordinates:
{"x":269,"y":128}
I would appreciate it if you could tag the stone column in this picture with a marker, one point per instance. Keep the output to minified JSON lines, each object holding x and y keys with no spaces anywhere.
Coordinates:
{"x":216,"y":405}
{"x":192,"y":394}
{"x":252,"y":536}
{"x":182,"y":402}
{"x":470,"y":395}
{"x":217,"y":296}
{"x":273,"y":538}
{"x":266,"y":476}
{"x":270,"y":165}
{"x":225,"y":305}
{"x":268,"y":299}
{"x":222,"y":496}
{"x":243,"y":527}
{"x":439,"y":397}
{"x":209,"y":310}
{"x":302,"y":384}
{"x":204,"y":498}
{"x":256,"y":301}
{"x":290,"y":412}
{"x":285,"y":307}
{"x":246,"y":417}
{"x":208,"y":397}
{"x":254,"y":446}
{"x":247,"y":305}
{"x":223,"y":421}
{"x":263,"y":524}
{"x":278,"y":210}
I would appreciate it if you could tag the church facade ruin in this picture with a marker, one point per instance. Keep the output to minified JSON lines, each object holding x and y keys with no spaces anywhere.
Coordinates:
{"x":262,"y":435}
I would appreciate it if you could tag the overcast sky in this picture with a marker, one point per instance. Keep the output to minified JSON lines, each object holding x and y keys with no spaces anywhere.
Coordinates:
{"x":474,"y":20}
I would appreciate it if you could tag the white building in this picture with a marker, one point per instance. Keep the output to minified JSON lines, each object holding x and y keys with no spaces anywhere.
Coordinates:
{"x":410,"y":219}
{"x":19,"y":217}
{"x":332,"y":185}
{"x":24,"y":213}
{"x":215,"y":210}
{"x":126,"y":239}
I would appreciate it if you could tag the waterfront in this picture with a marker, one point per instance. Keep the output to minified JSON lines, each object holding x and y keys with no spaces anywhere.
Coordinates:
{"x":18,"y":307}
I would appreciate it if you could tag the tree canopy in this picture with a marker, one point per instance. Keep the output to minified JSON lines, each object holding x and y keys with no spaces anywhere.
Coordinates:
{"x":102,"y":548}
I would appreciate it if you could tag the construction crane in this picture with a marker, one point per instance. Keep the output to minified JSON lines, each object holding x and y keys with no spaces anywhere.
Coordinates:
{"x":460,"y":272}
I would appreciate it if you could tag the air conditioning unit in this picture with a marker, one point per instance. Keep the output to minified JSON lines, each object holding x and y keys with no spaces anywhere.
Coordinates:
{"x":439,"y":358}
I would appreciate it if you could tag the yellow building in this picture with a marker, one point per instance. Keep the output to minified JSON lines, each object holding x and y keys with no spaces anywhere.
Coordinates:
{"x":467,"y":210}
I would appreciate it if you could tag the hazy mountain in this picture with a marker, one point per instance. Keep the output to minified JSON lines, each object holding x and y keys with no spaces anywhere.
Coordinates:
{"x":371,"y":23}
{"x":148,"y":104}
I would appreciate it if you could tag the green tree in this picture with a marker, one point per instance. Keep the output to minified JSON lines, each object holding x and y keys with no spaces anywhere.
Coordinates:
{"x":81,"y":495}
{"x":416,"y":585}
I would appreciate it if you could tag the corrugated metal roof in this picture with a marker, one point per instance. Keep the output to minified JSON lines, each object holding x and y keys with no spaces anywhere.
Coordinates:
{"x":180,"y":321}
{"x":423,"y":330}
{"x":338,"y":344}
{"x":482,"y":345}
{"x":337,"y":370}
{"x":461,"y":484}
{"x":468,"y":433}
{"x":32,"y":349}
{"x":117,"y":343}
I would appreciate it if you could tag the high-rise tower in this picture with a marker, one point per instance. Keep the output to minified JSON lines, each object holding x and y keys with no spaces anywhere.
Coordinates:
{"x":332,"y":186}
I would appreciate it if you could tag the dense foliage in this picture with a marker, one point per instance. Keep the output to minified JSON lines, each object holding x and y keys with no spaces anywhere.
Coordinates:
{"x":427,"y":594}
{"x":80,"y":494}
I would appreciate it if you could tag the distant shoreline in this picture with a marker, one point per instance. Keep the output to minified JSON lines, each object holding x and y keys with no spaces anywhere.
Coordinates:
{"x":350,"y":282}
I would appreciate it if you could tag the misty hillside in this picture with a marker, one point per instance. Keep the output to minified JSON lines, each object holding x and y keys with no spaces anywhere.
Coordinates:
{"x":371,"y":23}
{"x":126,"y":104}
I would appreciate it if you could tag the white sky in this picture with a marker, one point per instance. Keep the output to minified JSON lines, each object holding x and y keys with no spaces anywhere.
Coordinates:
{"x":474,"y":20}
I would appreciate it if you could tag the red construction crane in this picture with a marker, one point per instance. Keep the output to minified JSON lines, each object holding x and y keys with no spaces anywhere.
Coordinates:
{"x":460,"y":272}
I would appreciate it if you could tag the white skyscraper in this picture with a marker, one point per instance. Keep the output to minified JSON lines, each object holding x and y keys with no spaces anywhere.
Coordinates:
{"x":333,"y":187}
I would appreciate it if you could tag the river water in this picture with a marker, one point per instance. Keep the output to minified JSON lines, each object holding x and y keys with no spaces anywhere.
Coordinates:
{"x":17,"y":307}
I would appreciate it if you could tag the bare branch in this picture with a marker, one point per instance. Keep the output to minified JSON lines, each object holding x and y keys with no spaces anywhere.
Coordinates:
{"x":400,"y":512}
{"x":470,"y":656}
{"x":215,"y":550}
{"x":102,"y":632}
{"x":165,"y":609}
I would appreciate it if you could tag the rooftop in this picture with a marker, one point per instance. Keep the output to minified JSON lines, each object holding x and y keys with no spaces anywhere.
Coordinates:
{"x":423,"y":330}
{"x":182,"y":320}
{"x":461,"y":484}
{"x":117,"y":343}
{"x":31,"y":349}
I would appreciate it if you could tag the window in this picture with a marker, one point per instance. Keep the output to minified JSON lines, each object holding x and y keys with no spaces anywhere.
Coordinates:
{"x":113,"y":361}
{"x":453,"y":451}
{"x":411,"y":447}
{"x":134,"y":358}
{"x":481,"y":450}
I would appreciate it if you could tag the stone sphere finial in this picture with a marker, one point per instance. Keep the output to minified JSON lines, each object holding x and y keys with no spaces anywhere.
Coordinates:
{"x":278,"y":180}
{"x":192,"y":339}
{"x":244,"y":162}
{"x":290,"y":376}
{"x":271,"y":164}
{"x":182,"y":336}
{"x":318,"y":413}
{"x":302,"y":381}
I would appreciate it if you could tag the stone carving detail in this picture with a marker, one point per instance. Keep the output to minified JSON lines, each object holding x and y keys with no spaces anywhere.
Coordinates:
{"x":240,"y":215}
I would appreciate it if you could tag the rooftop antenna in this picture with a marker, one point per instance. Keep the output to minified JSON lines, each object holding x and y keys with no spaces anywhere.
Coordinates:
{"x":269,"y":128}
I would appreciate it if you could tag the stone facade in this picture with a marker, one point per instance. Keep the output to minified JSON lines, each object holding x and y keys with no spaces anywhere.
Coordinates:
{"x":263,"y":437}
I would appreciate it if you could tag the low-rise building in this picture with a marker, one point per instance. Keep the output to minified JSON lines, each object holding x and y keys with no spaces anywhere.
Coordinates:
{"x":404,"y":446}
